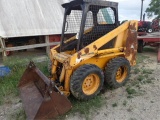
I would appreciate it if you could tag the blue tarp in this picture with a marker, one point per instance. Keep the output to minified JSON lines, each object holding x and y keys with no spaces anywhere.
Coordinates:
{"x":4,"y":70}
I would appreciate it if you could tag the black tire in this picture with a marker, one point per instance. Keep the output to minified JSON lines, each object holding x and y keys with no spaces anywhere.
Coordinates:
{"x":79,"y":77}
{"x":150,"y":30}
{"x":112,"y":69}
{"x":140,"y":46}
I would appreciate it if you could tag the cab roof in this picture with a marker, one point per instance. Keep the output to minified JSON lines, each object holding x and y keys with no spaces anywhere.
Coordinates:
{"x":76,"y":4}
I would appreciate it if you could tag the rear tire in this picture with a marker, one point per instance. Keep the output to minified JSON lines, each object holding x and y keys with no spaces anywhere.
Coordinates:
{"x":150,"y":30}
{"x":117,"y":72}
{"x":86,"y":82}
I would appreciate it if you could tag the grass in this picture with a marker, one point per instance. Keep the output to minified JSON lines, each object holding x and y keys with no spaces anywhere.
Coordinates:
{"x":129,"y":96}
{"x":132,"y":119}
{"x":140,"y":78}
{"x":143,"y":76}
{"x":8,"y":87}
{"x":141,"y":58}
{"x":114,"y":105}
{"x":130,"y":91}
{"x":147,"y":71}
{"x":135,"y":83}
{"x":84,"y":108}
{"x":124,"y":103}
{"x":149,"y":49}
{"x":142,"y":73}
{"x":136,"y":70}
{"x":18,"y":115}
{"x":9,"y":83}
{"x":148,"y":81}
{"x":152,"y":101}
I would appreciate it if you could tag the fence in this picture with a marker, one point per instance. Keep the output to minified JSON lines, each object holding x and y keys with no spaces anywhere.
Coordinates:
{"x":47,"y":44}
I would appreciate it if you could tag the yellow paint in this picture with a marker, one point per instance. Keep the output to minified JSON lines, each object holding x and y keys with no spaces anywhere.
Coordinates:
{"x":97,"y":60}
{"x":121,"y":39}
{"x":100,"y":42}
{"x":72,"y":60}
{"x":62,"y":76}
{"x":67,"y":80}
{"x":121,"y":74}
{"x":111,"y":50}
{"x":90,"y":84}
{"x":53,"y":70}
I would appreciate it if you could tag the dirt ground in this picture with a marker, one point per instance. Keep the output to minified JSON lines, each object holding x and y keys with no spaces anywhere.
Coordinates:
{"x":139,"y":99}
{"x":144,"y":104}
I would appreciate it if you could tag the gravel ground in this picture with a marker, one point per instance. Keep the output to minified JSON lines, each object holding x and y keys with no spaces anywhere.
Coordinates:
{"x":143,"y":105}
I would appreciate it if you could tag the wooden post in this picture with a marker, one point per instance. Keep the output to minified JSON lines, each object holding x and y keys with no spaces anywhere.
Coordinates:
{"x":47,"y":47}
{"x":3,"y":46}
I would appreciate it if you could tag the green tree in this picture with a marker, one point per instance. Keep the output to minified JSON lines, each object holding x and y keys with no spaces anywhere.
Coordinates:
{"x":153,"y":9}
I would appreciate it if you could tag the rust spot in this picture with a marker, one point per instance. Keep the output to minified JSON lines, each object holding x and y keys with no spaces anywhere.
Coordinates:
{"x":95,"y":47}
{"x":132,"y":27}
{"x":40,"y":94}
{"x":131,"y":45}
{"x":86,"y":50}
{"x":79,"y":55}
{"x":122,"y":50}
{"x":66,"y":62}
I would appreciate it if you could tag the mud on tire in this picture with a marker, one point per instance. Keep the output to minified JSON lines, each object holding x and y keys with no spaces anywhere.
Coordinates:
{"x":86,"y":82}
{"x":117,"y":72}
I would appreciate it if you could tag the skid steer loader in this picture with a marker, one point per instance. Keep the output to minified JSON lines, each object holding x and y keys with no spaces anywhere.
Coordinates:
{"x":100,"y":51}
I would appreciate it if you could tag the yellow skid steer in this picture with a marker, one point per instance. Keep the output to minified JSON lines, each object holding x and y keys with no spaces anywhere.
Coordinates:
{"x":94,"y":49}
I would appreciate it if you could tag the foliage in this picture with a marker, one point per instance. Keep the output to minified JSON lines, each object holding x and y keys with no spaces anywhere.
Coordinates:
{"x":9,"y":83}
{"x":9,"y":89}
{"x":153,"y":9}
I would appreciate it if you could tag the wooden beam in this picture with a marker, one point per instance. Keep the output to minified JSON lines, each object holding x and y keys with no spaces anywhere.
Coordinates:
{"x":3,"y":47}
{"x":30,"y":46}
{"x":47,"y":42}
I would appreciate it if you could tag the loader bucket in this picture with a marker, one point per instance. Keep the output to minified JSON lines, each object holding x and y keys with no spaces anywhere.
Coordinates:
{"x":40,"y":98}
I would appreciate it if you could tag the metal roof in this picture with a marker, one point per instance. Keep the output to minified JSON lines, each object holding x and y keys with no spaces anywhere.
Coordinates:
{"x":30,"y":17}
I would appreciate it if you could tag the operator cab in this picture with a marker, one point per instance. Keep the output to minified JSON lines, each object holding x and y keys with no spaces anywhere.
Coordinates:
{"x":88,"y":20}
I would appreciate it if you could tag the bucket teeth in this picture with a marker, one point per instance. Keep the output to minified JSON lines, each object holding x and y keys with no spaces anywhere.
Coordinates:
{"x":39,"y":99}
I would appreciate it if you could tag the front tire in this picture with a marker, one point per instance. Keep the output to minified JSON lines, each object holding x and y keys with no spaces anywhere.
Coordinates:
{"x":117,"y":72}
{"x":86,"y":82}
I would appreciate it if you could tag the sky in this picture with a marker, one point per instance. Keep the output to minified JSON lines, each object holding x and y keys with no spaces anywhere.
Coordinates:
{"x":130,"y":9}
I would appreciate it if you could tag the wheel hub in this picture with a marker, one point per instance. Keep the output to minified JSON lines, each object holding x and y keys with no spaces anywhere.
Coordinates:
{"x":121,"y":73}
{"x":91,"y":84}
